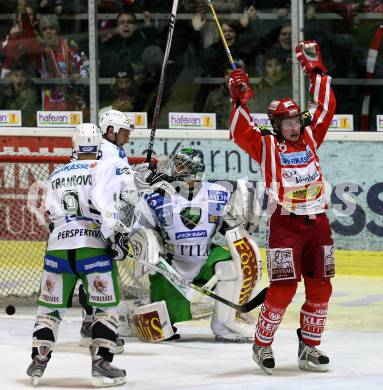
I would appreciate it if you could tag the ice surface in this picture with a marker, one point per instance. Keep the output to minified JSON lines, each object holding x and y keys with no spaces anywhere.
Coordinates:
{"x":353,"y":341}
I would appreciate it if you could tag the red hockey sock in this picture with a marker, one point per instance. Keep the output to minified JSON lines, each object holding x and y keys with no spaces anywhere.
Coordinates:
{"x":314,"y":310}
{"x":278,"y":297}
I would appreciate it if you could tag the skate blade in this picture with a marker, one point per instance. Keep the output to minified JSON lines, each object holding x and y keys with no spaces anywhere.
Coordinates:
{"x":85,"y":341}
{"x":35,"y":380}
{"x":102,"y":381}
{"x":242,"y":340}
{"x":119,"y":349}
{"x":309,"y":366}
{"x":268,"y":371}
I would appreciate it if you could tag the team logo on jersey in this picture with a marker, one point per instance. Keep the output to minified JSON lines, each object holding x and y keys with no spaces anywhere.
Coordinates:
{"x":100,"y":285}
{"x":296,"y":158}
{"x":218,"y":196}
{"x":287,"y":173}
{"x":281,"y":264}
{"x":51,"y":288}
{"x":50,"y":285}
{"x":195,"y":234}
{"x":305,"y":193}
{"x":190,"y":216}
{"x":329,"y":261}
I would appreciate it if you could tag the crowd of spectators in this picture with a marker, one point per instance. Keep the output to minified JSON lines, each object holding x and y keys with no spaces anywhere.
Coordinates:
{"x":44,"y":53}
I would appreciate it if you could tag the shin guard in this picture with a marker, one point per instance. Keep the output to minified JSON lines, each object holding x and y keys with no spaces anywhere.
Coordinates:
{"x":272,"y":310}
{"x":314,"y":310}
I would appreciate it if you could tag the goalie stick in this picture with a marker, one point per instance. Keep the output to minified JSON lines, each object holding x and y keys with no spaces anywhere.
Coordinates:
{"x":186,"y":288}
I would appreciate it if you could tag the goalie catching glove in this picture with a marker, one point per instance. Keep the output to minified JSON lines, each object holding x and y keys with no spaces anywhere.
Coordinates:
{"x":145,"y":180}
{"x":309,"y":56}
{"x":239,"y":86}
{"x":155,"y":178}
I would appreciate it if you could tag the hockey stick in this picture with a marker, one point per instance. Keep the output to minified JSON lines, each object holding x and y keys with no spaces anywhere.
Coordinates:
{"x":186,"y":288}
{"x":370,"y":70}
{"x":156,"y":113}
{"x":228,"y":52}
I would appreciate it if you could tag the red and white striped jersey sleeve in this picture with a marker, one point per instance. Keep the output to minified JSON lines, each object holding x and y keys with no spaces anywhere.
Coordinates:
{"x":324,"y":105}
{"x":245,"y":133}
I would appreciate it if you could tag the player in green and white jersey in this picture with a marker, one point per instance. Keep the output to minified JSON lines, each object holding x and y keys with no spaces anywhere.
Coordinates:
{"x":83,"y":244}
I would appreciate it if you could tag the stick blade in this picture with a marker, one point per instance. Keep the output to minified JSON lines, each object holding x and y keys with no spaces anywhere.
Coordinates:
{"x":255,"y":302}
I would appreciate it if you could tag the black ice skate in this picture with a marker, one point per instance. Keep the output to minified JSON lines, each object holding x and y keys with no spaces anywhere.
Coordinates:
{"x":36,"y":368}
{"x":264,"y":357}
{"x":86,"y":337}
{"x":104,"y":374}
{"x":311,"y":358}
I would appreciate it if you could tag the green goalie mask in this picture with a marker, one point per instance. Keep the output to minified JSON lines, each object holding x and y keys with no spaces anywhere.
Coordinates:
{"x":188,"y":164}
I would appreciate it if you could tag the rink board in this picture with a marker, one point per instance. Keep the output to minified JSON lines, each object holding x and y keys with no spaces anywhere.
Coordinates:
{"x":357,"y":263}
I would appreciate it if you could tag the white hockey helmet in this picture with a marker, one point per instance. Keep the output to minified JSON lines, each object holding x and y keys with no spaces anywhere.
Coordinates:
{"x":86,"y":138}
{"x":116,"y":119}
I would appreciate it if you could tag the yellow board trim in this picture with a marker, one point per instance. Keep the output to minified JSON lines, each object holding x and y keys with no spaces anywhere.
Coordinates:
{"x":352,"y":263}
{"x":16,"y":254}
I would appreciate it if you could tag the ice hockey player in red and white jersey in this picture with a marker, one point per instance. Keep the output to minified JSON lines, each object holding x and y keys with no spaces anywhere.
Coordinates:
{"x":299,"y":239}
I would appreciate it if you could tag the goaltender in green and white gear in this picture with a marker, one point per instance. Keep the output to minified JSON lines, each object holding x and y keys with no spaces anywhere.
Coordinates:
{"x":187,"y":221}
{"x":80,"y":201}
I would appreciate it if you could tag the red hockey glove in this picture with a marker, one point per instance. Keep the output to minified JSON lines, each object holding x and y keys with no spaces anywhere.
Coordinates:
{"x":310,"y":57}
{"x":239,"y":86}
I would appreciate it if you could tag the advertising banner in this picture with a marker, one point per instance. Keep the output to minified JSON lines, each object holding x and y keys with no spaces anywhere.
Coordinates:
{"x":10,"y":118}
{"x":139,"y":119}
{"x":58,"y":118}
{"x":339,"y":122}
{"x":262,"y":120}
{"x":343,"y":122}
{"x":188,"y":120}
{"x":379,"y":122}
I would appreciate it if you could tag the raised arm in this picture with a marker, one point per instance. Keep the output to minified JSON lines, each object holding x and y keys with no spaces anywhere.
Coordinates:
{"x":324,"y":105}
{"x":323,"y":102}
{"x":243,"y":131}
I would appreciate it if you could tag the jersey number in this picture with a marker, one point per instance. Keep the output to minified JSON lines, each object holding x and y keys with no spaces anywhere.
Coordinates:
{"x":70,"y":203}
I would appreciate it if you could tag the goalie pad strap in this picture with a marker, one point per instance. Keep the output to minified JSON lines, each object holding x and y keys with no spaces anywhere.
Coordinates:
{"x":152,"y":322}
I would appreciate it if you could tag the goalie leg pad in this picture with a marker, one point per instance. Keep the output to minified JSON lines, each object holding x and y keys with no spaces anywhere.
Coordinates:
{"x":245,"y":253}
{"x":237,"y":280}
{"x":126,"y":308}
{"x":224,"y":323}
{"x":152,"y":322}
